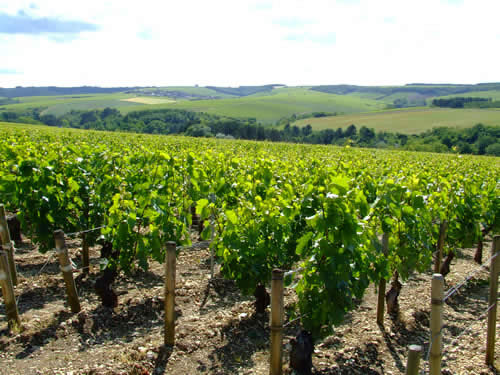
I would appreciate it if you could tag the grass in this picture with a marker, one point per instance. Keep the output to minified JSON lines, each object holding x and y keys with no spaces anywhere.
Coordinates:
{"x":266,"y":107}
{"x":192,"y":90}
{"x":270,"y":107}
{"x":62,"y":108}
{"x":408,"y":121}
{"x":58,"y":105}
{"x":148,"y":100}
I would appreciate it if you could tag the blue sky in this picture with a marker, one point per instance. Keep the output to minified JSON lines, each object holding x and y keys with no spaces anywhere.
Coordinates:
{"x":227,"y":42}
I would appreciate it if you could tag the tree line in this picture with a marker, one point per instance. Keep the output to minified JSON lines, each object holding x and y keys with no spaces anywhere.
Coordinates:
{"x":460,"y":102}
{"x":480,"y":139}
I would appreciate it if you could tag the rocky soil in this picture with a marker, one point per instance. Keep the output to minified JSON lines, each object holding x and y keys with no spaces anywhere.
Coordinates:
{"x":217,"y":330}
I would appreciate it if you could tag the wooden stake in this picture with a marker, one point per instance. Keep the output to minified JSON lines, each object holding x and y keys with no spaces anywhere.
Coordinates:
{"x":170,"y":294}
{"x":276,"y":325}
{"x":85,"y":255}
{"x":67,"y":271}
{"x":413,"y":364}
{"x":382,"y":284}
{"x":443,"y":227}
{"x":212,"y":251}
{"x":7,"y":244}
{"x":8,"y":294}
{"x":437,"y":296}
{"x":492,"y":301}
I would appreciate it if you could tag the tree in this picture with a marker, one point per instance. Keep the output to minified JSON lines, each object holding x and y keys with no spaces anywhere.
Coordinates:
{"x":351,"y":131}
{"x":493,"y":149}
{"x":199,"y":130}
{"x":483,"y":142}
{"x":327,"y":136}
{"x":106,"y":112}
{"x":339,"y":133}
{"x":306,"y":130}
{"x":50,"y":120}
{"x":366,"y":135}
{"x":88,"y":116}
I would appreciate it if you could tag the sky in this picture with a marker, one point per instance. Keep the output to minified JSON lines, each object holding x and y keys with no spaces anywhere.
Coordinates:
{"x":232,"y":43}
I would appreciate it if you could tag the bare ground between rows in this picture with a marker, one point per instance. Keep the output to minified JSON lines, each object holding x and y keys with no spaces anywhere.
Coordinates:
{"x":217,"y":331}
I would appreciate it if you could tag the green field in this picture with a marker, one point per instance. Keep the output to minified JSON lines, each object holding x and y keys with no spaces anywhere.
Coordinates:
{"x":408,"y":121}
{"x":266,"y":107}
{"x":58,"y":105}
{"x":362,"y":107}
{"x":270,"y":107}
{"x":191,"y":90}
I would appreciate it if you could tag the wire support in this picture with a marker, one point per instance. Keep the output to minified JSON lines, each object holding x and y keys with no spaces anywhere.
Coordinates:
{"x":455,"y":288}
{"x":74,"y":234}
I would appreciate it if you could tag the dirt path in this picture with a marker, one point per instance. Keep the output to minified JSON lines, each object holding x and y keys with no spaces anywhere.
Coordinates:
{"x":217,"y":331}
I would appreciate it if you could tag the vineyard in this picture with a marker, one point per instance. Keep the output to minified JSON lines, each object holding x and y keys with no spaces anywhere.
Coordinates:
{"x":338,"y":222}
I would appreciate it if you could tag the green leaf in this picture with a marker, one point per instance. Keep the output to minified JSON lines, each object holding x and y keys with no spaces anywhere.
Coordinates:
{"x":231,"y":216}
{"x":303,"y":242}
{"x":200,"y":205}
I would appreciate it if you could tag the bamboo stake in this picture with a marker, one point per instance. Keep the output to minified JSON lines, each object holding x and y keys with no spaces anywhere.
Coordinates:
{"x":443,"y":227}
{"x":382,"y":284}
{"x":437,"y":296}
{"x":412,"y":366}
{"x":276,"y":361}
{"x":170,"y":294}
{"x":85,"y":254}
{"x":8,"y":294}
{"x":7,"y":244}
{"x":67,"y":271}
{"x":492,"y":301}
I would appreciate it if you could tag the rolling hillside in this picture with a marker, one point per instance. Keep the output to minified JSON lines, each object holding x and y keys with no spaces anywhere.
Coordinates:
{"x":270,"y":107}
{"x":407,"y":121}
{"x":269,"y":103}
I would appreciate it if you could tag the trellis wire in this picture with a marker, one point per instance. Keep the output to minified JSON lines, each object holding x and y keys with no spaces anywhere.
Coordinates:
{"x":84,"y":231}
{"x":455,"y":289}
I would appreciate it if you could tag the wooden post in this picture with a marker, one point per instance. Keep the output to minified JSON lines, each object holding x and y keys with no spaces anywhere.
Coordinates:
{"x":492,"y":301}
{"x":382,"y":284}
{"x":437,"y":296}
{"x":412,"y":366}
{"x":443,"y":227}
{"x":170,"y":294}
{"x":212,"y":250}
{"x":276,"y":325}
{"x":67,"y":271}
{"x":7,"y":244}
{"x":85,"y":254}
{"x":8,"y":294}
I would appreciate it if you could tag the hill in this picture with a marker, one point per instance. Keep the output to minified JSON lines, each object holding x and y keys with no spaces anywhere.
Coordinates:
{"x":269,"y":107}
{"x":422,"y":89}
{"x":268,"y":104}
{"x":407,"y":121}
{"x":53,"y":90}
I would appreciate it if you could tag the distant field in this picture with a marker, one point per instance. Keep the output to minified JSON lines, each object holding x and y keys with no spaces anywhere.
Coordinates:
{"x":190,"y":90}
{"x":148,"y":100}
{"x":408,"y":121}
{"x":270,"y":107}
{"x":266,"y":107}
{"x":62,"y":108}
{"x":58,"y":105}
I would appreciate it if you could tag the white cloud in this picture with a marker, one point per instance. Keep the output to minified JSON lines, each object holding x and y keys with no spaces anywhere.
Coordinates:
{"x":227,"y":42}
